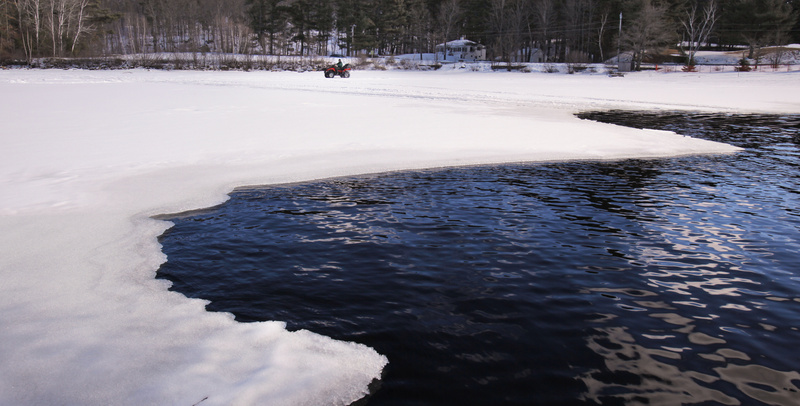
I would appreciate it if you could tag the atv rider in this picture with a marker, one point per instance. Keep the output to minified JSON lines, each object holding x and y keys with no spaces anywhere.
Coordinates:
{"x":339,"y":65}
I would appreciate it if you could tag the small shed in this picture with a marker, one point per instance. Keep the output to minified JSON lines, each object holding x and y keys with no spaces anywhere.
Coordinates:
{"x":461,"y":50}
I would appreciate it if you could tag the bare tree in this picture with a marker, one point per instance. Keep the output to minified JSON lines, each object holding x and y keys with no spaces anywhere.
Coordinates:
{"x":65,"y":21}
{"x":698,"y":26}
{"x":499,"y":24}
{"x":544,"y":17}
{"x":228,"y":30}
{"x":30,"y":25}
{"x":419,"y":27}
{"x":601,"y":32}
{"x":508,"y":21}
{"x":575,"y":15}
{"x":650,"y":29}
{"x":518,"y":22}
{"x":81,"y":27}
{"x":450,"y":14}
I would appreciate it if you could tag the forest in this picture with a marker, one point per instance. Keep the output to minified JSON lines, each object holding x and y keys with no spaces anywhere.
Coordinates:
{"x":578,"y":31}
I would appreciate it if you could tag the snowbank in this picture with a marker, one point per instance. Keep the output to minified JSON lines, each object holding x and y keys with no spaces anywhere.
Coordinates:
{"x":89,"y":157}
{"x":785,"y":55}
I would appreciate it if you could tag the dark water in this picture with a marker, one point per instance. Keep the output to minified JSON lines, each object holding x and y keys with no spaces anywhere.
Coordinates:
{"x":666,"y":282}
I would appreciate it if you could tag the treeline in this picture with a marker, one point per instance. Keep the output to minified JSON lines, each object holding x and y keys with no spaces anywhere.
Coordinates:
{"x":512,"y":30}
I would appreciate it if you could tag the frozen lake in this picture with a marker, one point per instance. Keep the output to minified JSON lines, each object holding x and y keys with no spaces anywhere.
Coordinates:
{"x":88,"y":157}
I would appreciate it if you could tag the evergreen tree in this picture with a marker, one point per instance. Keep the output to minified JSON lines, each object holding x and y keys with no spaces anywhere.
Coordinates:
{"x":300,"y":17}
{"x":419,"y":27}
{"x":758,"y":22}
{"x":323,"y":23}
{"x":346,"y":23}
{"x":476,"y":21}
{"x":268,"y":19}
{"x":8,"y":29}
{"x":794,"y":34}
{"x":355,"y":20}
{"x":391,"y":21}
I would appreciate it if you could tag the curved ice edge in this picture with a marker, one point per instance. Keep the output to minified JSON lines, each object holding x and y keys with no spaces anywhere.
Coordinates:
{"x":365,"y":383}
{"x":273,"y":365}
{"x":338,"y":372}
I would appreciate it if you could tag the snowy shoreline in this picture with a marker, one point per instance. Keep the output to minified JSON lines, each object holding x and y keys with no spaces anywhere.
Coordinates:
{"x":770,"y":59}
{"x":90,"y":156}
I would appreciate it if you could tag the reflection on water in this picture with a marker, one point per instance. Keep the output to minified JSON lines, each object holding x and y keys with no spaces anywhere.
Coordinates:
{"x":641,"y":371}
{"x":637,"y":373}
{"x":661,"y":374}
{"x":639,"y":282}
{"x":724,"y":264}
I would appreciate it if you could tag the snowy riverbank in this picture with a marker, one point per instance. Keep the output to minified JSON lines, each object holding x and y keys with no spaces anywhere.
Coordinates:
{"x":89,"y":156}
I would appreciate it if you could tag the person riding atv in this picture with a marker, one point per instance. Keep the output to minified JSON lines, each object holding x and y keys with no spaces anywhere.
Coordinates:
{"x":338,"y":68}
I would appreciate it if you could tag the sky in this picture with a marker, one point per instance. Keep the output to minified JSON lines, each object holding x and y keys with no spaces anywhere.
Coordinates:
{"x":89,"y":157}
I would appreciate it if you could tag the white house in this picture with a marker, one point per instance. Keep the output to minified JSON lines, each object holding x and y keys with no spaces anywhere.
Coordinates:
{"x":461,"y":50}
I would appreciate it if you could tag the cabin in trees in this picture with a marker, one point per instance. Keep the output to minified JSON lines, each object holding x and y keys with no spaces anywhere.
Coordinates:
{"x":461,"y":50}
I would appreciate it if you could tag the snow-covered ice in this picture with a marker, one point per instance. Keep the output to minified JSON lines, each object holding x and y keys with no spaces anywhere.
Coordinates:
{"x":88,"y":157}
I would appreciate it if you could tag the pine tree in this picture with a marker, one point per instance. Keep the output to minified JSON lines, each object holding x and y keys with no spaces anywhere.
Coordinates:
{"x":323,"y":23}
{"x":476,"y":24}
{"x":268,"y":19}
{"x":391,"y":23}
{"x":8,"y":29}
{"x":356,"y":20}
{"x":794,"y":34}
{"x":300,"y":17}
{"x":419,"y":27}
{"x":759,"y":22}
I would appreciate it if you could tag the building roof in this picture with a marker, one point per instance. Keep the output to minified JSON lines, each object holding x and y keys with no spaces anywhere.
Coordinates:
{"x":459,"y":43}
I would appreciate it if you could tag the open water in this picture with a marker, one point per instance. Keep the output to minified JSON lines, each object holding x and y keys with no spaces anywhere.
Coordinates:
{"x":663,"y":281}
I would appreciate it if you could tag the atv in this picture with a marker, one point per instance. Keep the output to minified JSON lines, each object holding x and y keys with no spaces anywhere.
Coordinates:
{"x":334,"y":70}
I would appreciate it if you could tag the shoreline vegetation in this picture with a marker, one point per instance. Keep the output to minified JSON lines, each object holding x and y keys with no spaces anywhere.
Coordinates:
{"x":782,"y":59}
{"x":510,"y":31}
